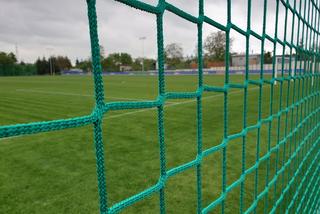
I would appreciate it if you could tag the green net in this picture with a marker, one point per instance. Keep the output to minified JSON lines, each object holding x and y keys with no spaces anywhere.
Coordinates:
{"x":297,"y":153}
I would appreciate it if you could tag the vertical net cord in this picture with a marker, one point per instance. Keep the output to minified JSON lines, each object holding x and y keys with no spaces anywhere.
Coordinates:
{"x":309,"y":126}
{"x":225,"y":106}
{"x":271,"y":104}
{"x":293,"y":98}
{"x":279,"y":118}
{"x":309,"y":179}
{"x":293,"y":120}
{"x":260,"y":101}
{"x":301,"y":89}
{"x":314,"y":86}
{"x":304,"y":91}
{"x":161,"y":86}
{"x":245,"y":108}
{"x":298,"y":98}
{"x":199,"y":109}
{"x":316,"y":204}
{"x":311,"y":103}
{"x":287,"y":101}
{"x":99,"y":95}
{"x":271,"y":110}
{"x":311,"y":82}
{"x":287,"y":106}
{"x":287,"y":123}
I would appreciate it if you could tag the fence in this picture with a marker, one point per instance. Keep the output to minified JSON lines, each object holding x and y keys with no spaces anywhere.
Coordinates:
{"x":300,"y":193}
{"x":17,"y":70}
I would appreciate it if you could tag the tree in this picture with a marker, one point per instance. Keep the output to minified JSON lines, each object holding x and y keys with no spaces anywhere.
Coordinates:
{"x":12,"y":57}
{"x":267,"y":58}
{"x":215,"y":46}
{"x":173,"y":55}
{"x":62,"y":62}
{"x":109,"y":64}
{"x":150,"y":64}
{"x":136,"y":65}
{"x":7,"y":59}
{"x":300,"y":51}
{"x":57,"y":64}
{"x":42,"y":66}
{"x":10,"y":67}
{"x":125,"y":59}
{"x":174,"y":50}
{"x":112,"y":62}
{"x":115,"y":60}
{"x":85,"y":65}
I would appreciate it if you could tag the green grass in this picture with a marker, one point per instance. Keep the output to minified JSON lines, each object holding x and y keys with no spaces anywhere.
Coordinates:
{"x":55,"y":172}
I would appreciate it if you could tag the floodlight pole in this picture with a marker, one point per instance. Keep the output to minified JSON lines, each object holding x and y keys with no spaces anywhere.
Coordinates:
{"x":17,"y":53}
{"x":142,"y":39}
{"x":314,"y":68}
{"x":50,"y":64}
{"x":276,"y":70}
{"x":50,"y":61}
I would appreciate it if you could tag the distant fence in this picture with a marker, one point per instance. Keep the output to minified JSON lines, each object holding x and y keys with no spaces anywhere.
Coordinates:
{"x":17,"y":70}
{"x":253,"y":69}
{"x":176,"y":72}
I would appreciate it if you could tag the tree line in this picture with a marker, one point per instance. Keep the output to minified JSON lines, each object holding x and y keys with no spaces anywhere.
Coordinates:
{"x":9,"y":66}
{"x":116,"y":62}
{"x":53,"y":65}
{"x":214,"y":53}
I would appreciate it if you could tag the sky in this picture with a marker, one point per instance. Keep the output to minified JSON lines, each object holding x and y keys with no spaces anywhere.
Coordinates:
{"x":60,"y":27}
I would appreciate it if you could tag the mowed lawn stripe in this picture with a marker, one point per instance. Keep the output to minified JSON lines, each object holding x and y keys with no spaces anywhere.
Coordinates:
{"x":180,"y":103}
{"x":78,"y":94}
{"x":41,"y":167}
{"x":17,"y":105}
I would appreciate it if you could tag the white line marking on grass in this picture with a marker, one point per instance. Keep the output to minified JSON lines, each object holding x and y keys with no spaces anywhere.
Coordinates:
{"x":171,"y":104}
{"x":177,"y":103}
{"x":8,"y":138}
{"x":130,"y":112}
{"x":53,"y":92}
{"x":76,"y":94}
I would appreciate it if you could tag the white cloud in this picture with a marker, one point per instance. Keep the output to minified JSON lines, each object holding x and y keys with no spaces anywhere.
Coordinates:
{"x":35,"y":25}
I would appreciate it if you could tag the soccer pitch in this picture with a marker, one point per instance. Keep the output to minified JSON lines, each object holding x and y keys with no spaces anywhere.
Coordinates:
{"x":56,"y":172}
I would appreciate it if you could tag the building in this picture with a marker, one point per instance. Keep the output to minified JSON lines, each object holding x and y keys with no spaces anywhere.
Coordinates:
{"x":125,"y":68}
{"x":73,"y":71}
{"x":240,"y":59}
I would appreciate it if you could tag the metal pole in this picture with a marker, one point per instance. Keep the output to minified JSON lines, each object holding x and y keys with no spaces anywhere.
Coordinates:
{"x":276,"y":70}
{"x":142,"y":38}
{"x":50,"y":64}
{"x":50,"y":60}
{"x":314,"y":68}
{"x":17,"y":53}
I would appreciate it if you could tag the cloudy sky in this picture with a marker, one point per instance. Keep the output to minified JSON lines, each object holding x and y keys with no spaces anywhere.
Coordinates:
{"x":60,"y":27}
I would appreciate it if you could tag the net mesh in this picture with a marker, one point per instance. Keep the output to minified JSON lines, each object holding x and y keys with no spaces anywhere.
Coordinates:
{"x":296,"y":151}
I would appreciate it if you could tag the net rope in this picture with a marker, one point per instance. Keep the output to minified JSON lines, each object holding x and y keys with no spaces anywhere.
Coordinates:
{"x":300,"y":192}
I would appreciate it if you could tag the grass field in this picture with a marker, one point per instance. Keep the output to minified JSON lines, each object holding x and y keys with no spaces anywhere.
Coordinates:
{"x":55,"y":172}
